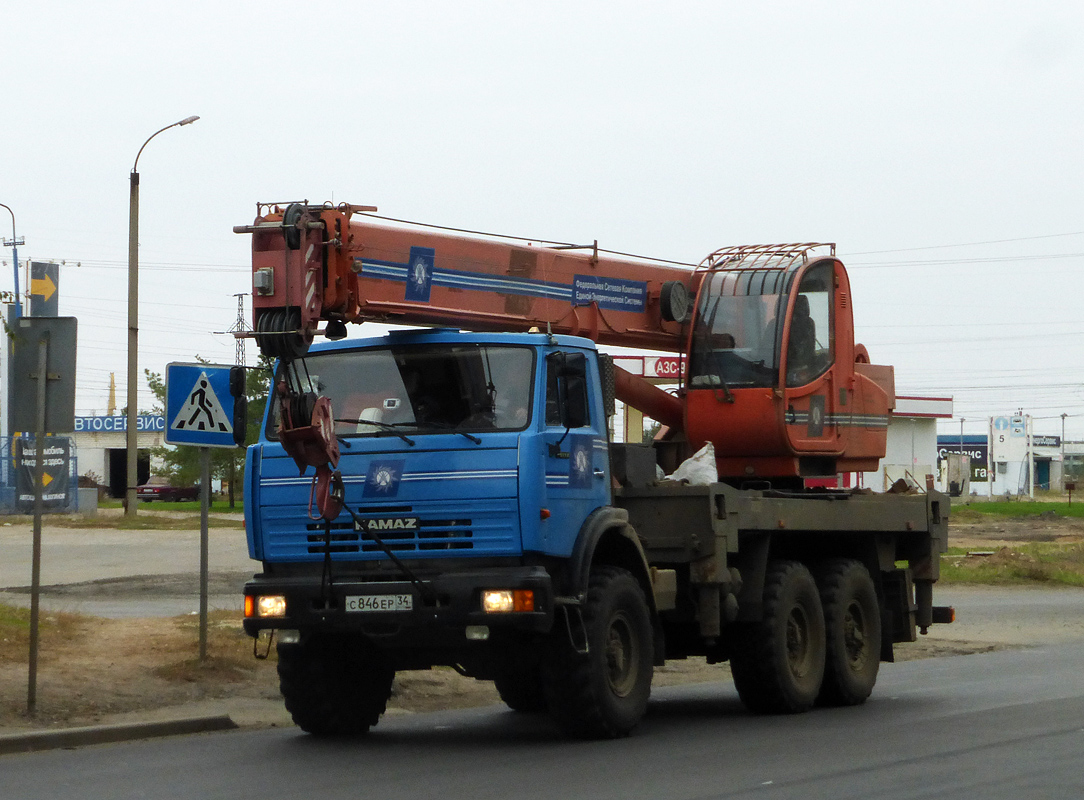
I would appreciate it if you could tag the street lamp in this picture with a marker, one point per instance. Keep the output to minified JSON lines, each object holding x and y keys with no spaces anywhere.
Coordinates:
{"x":133,"y":320}
{"x":14,"y":245}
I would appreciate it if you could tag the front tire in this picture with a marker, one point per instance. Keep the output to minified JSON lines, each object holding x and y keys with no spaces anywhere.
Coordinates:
{"x":334,"y":684}
{"x":852,"y":619}
{"x":778,"y":662}
{"x":602,"y":693}
{"x":521,"y":690}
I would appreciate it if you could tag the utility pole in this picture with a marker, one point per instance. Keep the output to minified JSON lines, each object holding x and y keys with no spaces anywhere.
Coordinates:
{"x":962,"y":458}
{"x":240,"y":326}
{"x":1031,"y":458}
{"x":1063,"y":416}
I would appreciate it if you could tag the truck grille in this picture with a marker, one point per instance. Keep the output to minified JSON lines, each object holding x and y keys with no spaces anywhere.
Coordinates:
{"x":487,"y":526}
{"x":430,"y":534}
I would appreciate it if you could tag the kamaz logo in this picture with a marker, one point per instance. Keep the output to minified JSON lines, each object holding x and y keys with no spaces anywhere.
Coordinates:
{"x":394,"y":524}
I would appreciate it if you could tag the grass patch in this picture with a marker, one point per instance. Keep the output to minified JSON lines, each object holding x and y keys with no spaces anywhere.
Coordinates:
{"x":1019,"y":509}
{"x":1039,"y":563}
{"x":15,"y":630}
{"x":144,"y":520}
{"x":965,"y":514}
{"x":217,"y":507}
{"x":215,"y":668}
{"x":229,"y":650}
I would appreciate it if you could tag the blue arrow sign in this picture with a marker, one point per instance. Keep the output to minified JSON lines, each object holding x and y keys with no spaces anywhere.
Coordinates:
{"x":199,"y":407}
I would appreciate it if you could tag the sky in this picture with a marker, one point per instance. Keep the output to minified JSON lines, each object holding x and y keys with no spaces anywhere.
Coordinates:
{"x":938,"y":144}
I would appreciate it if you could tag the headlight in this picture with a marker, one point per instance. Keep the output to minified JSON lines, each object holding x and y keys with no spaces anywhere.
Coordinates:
{"x":271,"y":605}
{"x":501,"y":601}
{"x":497,"y":601}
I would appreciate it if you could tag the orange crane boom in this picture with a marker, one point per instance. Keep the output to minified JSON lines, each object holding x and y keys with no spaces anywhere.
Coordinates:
{"x":325,"y":264}
{"x":775,"y":379}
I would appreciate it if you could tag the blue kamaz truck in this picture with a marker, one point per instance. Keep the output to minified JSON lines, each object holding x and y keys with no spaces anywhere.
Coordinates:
{"x":490,"y":524}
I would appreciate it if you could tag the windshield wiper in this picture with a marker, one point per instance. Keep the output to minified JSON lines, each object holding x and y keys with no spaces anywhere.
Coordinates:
{"x":444,"y":426}
{"x":384,"y":426}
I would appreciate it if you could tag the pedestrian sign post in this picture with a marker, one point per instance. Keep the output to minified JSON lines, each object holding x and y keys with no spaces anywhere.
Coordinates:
{"x":199,"y":405}
{"x":205,"y":407}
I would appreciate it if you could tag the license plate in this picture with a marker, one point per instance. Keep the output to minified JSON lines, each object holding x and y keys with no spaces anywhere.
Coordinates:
{"x":380,"y":602}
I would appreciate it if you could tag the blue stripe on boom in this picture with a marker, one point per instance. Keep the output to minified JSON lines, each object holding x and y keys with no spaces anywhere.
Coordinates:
{"x":478,"y":281}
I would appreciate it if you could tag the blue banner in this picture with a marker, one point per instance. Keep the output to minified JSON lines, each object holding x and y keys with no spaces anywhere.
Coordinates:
{"x":612,"y":293}
{"x":144,"y":422}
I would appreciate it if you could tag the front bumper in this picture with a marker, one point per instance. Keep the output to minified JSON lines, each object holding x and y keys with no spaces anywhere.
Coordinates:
{"x":312,"y":604}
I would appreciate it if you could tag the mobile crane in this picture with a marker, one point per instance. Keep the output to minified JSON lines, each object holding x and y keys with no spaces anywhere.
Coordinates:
{"x":472,"y":511}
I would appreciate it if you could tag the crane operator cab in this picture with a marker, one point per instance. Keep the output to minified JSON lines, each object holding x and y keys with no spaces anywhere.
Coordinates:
{"x":775,"y":379}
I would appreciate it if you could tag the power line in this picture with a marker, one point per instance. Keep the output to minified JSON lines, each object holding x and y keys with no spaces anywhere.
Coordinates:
{"x":969,"y":244}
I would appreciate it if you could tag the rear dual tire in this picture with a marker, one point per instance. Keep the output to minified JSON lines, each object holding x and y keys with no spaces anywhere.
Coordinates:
{"x":778,"y":662}
{"x":853,"y":632}
{"x":818,"y":642}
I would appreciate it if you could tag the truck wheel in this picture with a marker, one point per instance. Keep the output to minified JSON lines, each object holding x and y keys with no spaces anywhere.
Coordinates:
{"x":521,"y":690}
{"x":778,"y":662}
{"x":852,"y":623}
{"x":601,"y":693}
{"x":334,"y":685}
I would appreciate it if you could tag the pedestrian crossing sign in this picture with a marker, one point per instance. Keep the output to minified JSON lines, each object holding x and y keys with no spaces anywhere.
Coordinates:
{"x":199,"y":406}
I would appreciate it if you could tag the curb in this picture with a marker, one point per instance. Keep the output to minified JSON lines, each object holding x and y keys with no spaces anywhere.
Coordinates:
{"x":31,"y":741}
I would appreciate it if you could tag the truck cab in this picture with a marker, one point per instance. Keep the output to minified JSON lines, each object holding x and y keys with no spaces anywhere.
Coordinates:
{"x":470,"y":463}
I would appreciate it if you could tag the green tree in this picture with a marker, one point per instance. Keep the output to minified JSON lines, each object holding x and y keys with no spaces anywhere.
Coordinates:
{"x":182,"y":464}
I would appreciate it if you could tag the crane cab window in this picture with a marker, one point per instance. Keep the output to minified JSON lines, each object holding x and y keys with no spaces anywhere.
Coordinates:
{"x":736,"y":334}
{"x":811,"y":343}
{"x":737,"y":337}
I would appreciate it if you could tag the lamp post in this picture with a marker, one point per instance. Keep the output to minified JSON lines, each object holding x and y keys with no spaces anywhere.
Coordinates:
{"x":1063,"y":476}
{"x":133,"y":323}
{"x":14,"y":245}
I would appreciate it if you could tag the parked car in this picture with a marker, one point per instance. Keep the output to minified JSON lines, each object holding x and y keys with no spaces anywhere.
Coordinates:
{"x":160,"y":488}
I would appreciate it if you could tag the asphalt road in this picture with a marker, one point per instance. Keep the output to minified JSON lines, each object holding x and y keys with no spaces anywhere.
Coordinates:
{"x":1007,"y":724}
{"x":71,"y":555}
{"x":117,"y":573}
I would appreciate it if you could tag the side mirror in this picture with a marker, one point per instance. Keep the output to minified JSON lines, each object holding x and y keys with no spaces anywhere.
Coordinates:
{"x":570,"y":370}
{"x":574,"y":403}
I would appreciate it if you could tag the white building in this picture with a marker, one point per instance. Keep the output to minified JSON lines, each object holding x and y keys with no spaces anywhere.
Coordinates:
{"x":911,"y":452}
{"x":101,"y":447}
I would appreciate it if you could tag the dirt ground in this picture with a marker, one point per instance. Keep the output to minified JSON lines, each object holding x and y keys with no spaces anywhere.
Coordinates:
{"x":94,"y":670}
{"x":989,"y":534}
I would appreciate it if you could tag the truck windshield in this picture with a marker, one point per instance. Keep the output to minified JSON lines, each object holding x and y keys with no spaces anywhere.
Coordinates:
{"x":422,"y":389}
{"x":736,"y":335}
